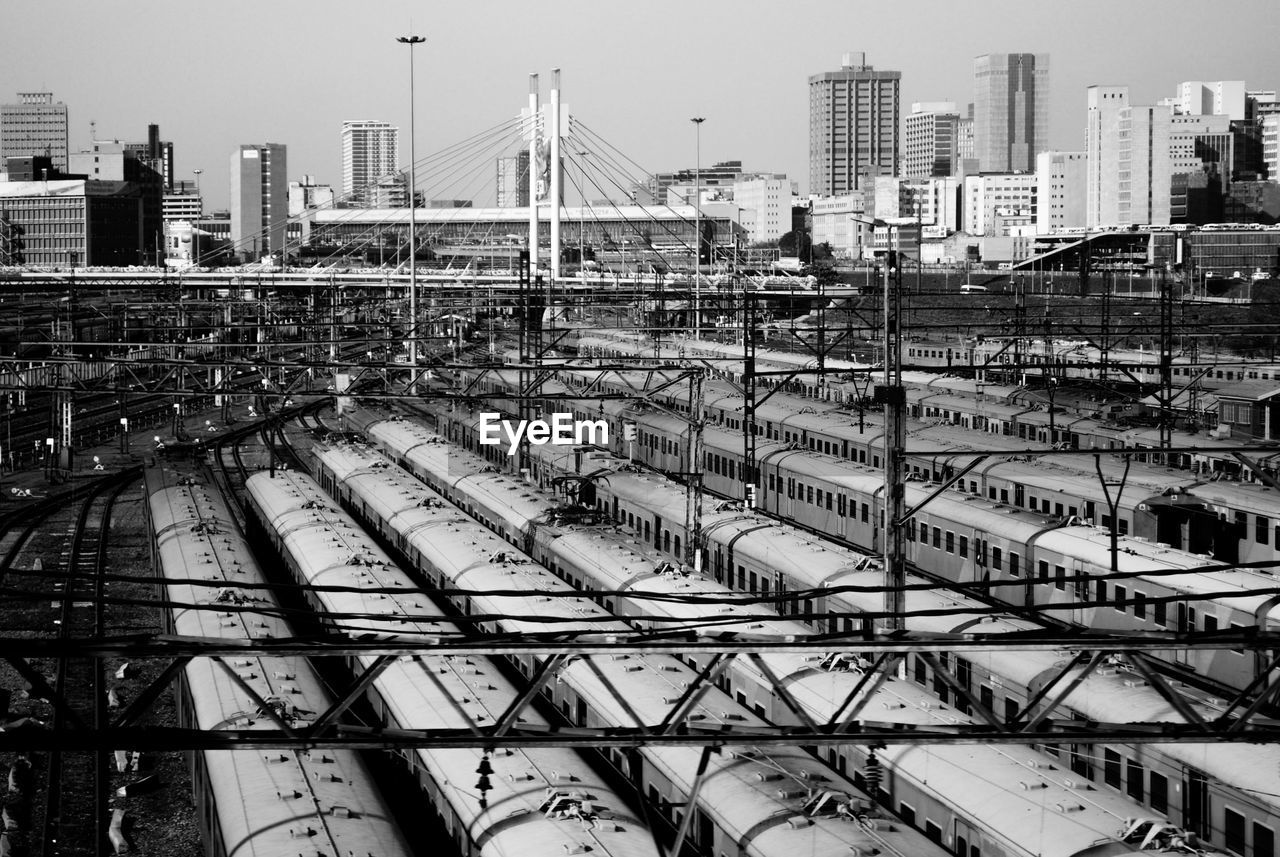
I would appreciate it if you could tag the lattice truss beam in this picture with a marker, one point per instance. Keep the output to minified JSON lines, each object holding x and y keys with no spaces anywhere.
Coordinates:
{"x":1042,"y":719}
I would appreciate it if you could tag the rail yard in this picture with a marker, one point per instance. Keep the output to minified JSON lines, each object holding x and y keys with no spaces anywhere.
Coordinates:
{"x":275,"y":582}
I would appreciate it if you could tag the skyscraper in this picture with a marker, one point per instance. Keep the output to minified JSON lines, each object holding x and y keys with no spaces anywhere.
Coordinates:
{"x":1010,"y":111}
{"x":853,"y":126}
{"x":932,"y":129}
{"x":370,"y":152}
{"x":34,"y":126}
{"x":513,"y":181}
{"x":259,"y":200}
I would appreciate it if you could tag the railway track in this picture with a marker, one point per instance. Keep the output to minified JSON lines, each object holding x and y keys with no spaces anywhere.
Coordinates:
{"x":65,"y":811}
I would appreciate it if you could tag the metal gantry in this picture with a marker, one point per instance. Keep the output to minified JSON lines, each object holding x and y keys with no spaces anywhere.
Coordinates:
{"x":873,"y":660}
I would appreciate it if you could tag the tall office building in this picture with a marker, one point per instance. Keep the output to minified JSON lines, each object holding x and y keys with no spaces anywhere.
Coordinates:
{"x":932,"y":131}
{"x":513,"y":181}
{"x":853,"y":126}
{"x":370,"y":152}
{"x":34,"y":126}
{"x":259,"y":200}
{"x":1102,"y":155}
{"x":1010,"y":111}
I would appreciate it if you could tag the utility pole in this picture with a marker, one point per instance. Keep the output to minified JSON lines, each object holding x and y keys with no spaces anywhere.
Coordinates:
{"x":412,"y":41}
{"x":693,"y":475}
{"x":893,"y":397}
{"x":697,"y":228}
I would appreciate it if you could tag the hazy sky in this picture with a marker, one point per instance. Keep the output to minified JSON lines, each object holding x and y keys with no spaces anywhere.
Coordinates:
{"x":214,"y":75}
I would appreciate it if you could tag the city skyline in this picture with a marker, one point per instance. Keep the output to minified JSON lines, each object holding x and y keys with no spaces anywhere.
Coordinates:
{"x":268,"y":83}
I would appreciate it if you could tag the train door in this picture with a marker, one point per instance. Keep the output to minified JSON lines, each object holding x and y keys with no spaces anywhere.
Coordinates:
{"x":968,"y":840}
{"x":842,"y":512}
{"x":1195,"y":803}
{"x":1186,"y":624}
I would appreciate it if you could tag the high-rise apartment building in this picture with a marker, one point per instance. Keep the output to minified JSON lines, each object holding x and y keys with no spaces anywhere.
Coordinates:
{"x":1010,"y":111}
{"x":1102,"y":155}
{"x":36,"y":125}
{"x":932,"y":135}
{"x":370,"y":152}
{"x":853,"y":126}
{"x":259,"y":200}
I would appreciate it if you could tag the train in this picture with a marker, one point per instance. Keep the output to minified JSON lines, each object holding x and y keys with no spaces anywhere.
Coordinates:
{"x":532,"y":801}
{"x":251,"y":803}
{"x":1220,"y":793}
{"x":1197,"y":511}
{"x":766,"y":802}
{"x":639,"y":581}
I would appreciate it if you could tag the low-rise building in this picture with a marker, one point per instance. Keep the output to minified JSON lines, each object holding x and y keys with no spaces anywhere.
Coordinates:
{"x":72,"y":223}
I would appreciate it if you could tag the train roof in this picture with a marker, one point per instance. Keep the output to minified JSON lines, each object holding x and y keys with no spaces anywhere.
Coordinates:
{"x":443,"y":692}
{"x":746,"y":789}
{"x":197,"y":540}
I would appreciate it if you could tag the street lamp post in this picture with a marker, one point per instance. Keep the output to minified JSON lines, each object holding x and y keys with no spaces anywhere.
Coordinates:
{"x":413,"y":238}
{"x":195,"y":225}
{"x":697,"y":228}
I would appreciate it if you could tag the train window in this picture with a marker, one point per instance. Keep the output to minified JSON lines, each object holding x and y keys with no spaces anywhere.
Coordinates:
{"x":986,"y":696}
{"x":866,"y":513}
{"x":791,"y":488}
{"x":1264,"y":841}
{"x":921,"y":670}
{"x":964,"y":546}
{"x":1033,"y":503}
{"x":1160,"y":613}
{"x":951,"y":542}
{"x":907,"y":813}
{"x":1004,"y":495}
{"x":1059,"y":577}
{"x":828,"y":501}
{"x":1237,"y":628}
{"x":1043,"y":570}
{"x":991,"y":492}
{"x":1233,"y":830}
{"x":1121,"y":595}
{"x":1263,"y":525}
{"x":752,"y":577}
{"x":840,"y":505}
{"x":1102,"y":592}
{"x":1210,"y":623}
{"x":1013,"y":564}
{"x":924,"y":532}
{"x":819,"y":498}
{"x":1136,"y":777}
{"x":773,"y":482}
{"x":937,"y":537}
{"x":1057,"y":509}
{"x":995,"y":558}
{"x":933,"y":831}
{"x":1159,"y":797}
{"x":1124,"y":526}
{"x":1139,"y":604}
{"x":809,"y":494}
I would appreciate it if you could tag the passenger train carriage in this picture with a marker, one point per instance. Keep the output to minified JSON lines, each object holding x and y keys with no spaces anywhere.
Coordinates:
{"x":1209,"y":788}
{"x":538,"y":797}
{"x":252,"y":803}
{"x":598,"y":559}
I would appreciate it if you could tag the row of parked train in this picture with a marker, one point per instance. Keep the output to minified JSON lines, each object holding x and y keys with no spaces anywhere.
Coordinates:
{"x":970,"y":800}
{"x":1044,"y":547}
{"x":1195,"y":510}
{"x":995,"y":407}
